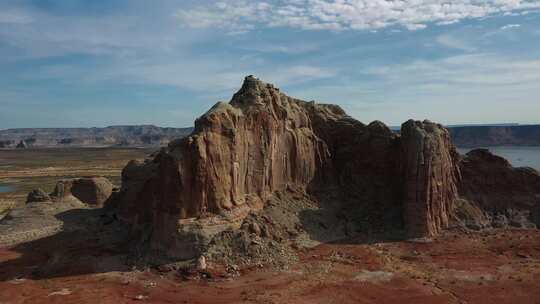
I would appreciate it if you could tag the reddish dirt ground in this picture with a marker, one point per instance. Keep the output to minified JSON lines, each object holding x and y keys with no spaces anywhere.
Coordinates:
{"x":489,"y":267}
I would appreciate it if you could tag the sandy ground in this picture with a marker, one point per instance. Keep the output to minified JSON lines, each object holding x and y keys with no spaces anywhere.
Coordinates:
{"x":489,"y":267}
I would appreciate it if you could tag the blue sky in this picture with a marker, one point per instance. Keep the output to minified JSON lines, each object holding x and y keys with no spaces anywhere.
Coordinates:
{"x":74,"y":63}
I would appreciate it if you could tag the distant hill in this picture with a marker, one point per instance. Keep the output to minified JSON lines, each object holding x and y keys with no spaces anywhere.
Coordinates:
{"x":114,"y":136}
{"x":505,"y":135}
{"x":152,"y":136}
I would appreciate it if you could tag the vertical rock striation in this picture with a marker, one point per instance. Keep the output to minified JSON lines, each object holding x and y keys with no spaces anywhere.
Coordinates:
{"x":430,"y":177}
{"x":238,"y":155}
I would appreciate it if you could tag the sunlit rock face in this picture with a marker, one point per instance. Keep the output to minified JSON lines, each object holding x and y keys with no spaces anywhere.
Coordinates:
{"x":430,"y":177}
{"x":238,"y":155}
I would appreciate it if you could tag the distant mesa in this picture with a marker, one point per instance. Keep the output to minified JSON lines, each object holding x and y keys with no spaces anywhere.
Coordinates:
{"x":484,"y":136}
{"x":116,"y":136}
{"x":264,"y":148}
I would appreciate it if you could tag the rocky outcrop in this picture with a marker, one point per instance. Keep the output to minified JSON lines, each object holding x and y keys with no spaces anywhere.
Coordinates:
{"x":91,"y":191}
{"x":263,"y":142}
{"x":238,"y":155}
{"x":510,"y":196}
{"x":22,"y":145}
{"x":37,"y":196}
{"x":248,"y":152}
{"x":430,"y":177}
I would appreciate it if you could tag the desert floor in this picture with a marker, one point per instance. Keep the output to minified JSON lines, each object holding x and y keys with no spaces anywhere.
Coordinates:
{"x":24,"y":170}
{"x":492,"y":267}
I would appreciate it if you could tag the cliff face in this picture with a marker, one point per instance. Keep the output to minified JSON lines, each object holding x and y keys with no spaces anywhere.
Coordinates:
{"x":430,"y":177}
{"x":482,"y":136}
{"x":238,"y":155}
{"x":262,"y":142}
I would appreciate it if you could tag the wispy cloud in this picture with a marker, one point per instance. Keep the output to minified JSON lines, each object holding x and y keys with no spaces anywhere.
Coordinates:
{"x":510,"y":26}
{"x":245,"y":15}
{"x":479,"y":87}
{"x":466,"y":70}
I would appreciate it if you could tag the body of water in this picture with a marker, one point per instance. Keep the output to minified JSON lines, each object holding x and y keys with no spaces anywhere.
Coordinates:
{"x":518,"y":156}
{"x":6,"y":189}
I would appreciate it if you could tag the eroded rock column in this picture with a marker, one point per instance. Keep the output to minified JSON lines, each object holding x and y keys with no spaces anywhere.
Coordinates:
{"x":429,"y":175}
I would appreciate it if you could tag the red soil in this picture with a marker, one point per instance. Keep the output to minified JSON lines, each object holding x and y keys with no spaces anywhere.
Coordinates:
{"x":491,"y":267}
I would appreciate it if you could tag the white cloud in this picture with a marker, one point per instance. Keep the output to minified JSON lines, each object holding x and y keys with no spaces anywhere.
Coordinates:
{"x":245,"y":15}
{"x":510,"y":26}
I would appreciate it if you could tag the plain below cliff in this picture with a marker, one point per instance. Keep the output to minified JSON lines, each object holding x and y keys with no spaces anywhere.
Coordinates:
{"x":114,"y":136}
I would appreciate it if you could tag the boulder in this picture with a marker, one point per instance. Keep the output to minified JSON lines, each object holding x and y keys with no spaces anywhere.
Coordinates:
{"x":91,"y":191}
{"x":37,"y":196}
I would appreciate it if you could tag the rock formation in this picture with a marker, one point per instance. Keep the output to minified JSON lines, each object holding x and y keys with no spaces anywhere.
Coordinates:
{"x":37,"y":196}
{"x":91,"y":191}
{"x":430,"y":177}
{"x":509,"y":195}
{"x":238,"y":155}
{"x":241,"y":153}
{"x":22,"y":145}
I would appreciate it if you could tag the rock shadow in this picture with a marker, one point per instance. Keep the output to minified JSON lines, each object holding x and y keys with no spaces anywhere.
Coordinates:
{"x":341,"y":220}
{"x":90,"y":241}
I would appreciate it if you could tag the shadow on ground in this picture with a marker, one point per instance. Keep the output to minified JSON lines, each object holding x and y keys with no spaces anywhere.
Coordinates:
{"x":94,"y":241}
{"x":91,"y":241}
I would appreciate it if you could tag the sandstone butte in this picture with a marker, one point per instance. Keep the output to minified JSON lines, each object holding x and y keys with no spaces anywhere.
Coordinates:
{"x":242,"y":152}
{"x":93,"y":191}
